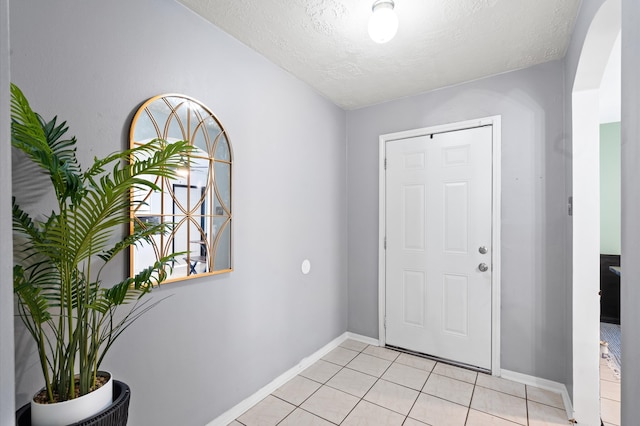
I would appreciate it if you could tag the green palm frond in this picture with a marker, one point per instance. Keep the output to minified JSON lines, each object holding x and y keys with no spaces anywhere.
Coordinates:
{"x":41,"y":141}
{"x":95,"y":217}
{"x":22,"y":222}
{"x":61,"y":299}
{"x":133,"y":288}
{"x":30,"y":296}
{"x":140,"y":235}
{"x":26,"y":129}
{"x":45,"y":276}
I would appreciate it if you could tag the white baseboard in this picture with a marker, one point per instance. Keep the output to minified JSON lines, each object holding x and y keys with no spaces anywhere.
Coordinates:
{"x":236,"y":411}
{"x":363,"y":339}
{"x":549,"y":385}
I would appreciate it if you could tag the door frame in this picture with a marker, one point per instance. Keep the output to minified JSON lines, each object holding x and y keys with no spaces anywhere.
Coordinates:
{"x":495,"y":121}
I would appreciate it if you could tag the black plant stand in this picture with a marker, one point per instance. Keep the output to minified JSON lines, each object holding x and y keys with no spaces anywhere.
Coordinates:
{"x":114,"y":415}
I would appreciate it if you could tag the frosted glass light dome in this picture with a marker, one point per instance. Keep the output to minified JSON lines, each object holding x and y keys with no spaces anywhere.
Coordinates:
{"x":383,"y":24}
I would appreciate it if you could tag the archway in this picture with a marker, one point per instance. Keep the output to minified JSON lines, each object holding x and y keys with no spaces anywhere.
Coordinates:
{"x":596,"y":50}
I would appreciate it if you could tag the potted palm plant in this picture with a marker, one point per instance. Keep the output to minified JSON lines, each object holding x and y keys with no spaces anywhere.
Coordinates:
{"x":71,"y":314}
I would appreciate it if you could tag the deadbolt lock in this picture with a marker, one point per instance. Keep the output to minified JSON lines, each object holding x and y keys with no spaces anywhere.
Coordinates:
{"x":482,"y":250}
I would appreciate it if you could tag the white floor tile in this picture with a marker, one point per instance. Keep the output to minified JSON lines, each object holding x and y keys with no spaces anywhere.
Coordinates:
{"x":416,"y":362}
{"x":455,"y":372}
{"x":406,"y":376}
{"x":413,"y":422}
{"x":352,"y":382}
{"x":268,"y":412}
{"x":321,"y":371}
{"x":392,"y":396}
{"x":354,"y":345}
{"x":373,"y":390}
{"x":369,"y":364}
{"x":607,"y":373}
{"x":340,"y":356}
{"x":610,"y":411}
{"x":501,"y":385}
{"x":610,"y":390}
{"x":300,"y":417}
{"x":450,"y":389}
{"x":436,"y":411}
{"x":478,"y":418}
{"x":383,"y":353}
{"x":544,"y":396}
{"x":500,"y":405}
{"x":366,"y":414}
{"x":296,"y":390}
{"x":546,"y":415}
{"x":330,"y":404}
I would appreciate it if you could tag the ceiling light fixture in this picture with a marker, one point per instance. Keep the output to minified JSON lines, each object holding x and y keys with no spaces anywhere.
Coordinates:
{"x":383,"y":24}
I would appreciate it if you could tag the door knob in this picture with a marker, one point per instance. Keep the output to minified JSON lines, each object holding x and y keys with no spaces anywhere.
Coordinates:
{"x":483,"y":267}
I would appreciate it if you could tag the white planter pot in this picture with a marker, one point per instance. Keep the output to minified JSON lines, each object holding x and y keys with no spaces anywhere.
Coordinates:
{"x":74,"y":410}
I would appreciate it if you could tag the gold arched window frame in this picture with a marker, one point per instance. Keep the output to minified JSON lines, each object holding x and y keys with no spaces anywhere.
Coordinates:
{"x":198,"y":203}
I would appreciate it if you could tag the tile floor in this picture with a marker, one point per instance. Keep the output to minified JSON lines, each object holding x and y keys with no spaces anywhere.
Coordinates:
{"x":609,"y":395}
{"x":359,"y":384}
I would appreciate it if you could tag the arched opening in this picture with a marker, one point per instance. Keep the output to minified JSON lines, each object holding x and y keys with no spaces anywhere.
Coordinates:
{"x":594,"y":57}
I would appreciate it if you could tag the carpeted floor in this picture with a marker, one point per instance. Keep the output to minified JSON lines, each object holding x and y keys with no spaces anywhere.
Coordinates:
{"x":610,"y":333}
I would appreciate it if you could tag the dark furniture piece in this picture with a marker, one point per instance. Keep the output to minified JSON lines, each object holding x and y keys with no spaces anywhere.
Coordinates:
{"x":609,"y":289}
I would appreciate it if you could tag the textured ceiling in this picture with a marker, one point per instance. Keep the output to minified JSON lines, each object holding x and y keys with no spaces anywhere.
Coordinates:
{"x":439,"y":42}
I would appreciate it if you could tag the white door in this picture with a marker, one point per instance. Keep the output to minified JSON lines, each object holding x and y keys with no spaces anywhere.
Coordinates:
{"x":438,"y":239}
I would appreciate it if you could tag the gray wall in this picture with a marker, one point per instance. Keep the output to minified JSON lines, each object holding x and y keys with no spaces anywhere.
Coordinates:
{"x":216,"y":340}
{"x":535,"y":336}
{"x":7,"y":411}
{"x":630,"y":211}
